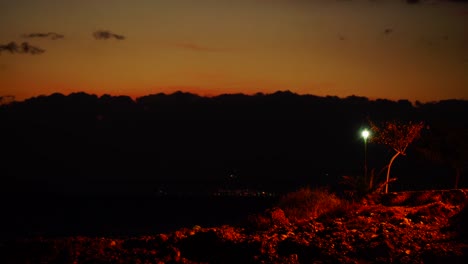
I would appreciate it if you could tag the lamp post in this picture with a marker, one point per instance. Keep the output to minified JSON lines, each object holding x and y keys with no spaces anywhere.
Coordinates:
{"x":365,"y":134}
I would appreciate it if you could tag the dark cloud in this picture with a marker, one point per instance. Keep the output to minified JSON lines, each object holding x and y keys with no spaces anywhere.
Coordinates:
{"x":105,"y":34}
{"x":23,"y":48}
{"x":50,"y":35}
{"x":433,"y":1}
{"x":388,"y":31}
{"x":195,"y":47}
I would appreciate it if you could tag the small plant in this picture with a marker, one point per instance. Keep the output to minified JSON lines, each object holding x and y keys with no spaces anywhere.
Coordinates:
{"x":308,"y":203}
{"x":269,"y":218}
{"x":358,"y":189}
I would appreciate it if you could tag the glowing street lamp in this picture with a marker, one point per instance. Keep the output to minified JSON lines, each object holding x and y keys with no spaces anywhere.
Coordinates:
{"x":365,"y":134}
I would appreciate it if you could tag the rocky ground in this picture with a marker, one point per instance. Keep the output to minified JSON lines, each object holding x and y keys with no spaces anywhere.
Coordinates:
{"x":419,"y":227}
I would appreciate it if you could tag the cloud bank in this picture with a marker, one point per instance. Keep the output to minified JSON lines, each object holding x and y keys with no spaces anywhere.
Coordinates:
{"x":23,"y":48}
{"x":106,"y":34}
{"x":51,"y":35}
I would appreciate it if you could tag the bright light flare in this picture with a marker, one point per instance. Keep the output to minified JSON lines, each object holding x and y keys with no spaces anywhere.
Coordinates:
{"x":365,"y":134}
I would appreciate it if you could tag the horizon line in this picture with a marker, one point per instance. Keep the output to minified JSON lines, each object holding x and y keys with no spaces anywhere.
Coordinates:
{"x":12,"y":98}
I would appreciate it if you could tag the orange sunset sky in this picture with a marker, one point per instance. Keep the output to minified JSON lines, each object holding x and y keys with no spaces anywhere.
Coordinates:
{"x":415,"y":50}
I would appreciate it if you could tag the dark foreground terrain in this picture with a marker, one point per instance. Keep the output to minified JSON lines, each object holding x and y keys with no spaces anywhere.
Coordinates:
{"x":410,"y":227}
{"x":119,"y":215}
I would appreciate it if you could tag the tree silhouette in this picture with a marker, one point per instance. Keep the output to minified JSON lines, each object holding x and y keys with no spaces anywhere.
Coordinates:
{"x":397,"y":136}
{"x":6,"y":99}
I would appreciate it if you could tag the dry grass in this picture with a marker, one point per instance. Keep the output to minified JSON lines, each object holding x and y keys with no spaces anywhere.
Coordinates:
{"x":308,"y":203}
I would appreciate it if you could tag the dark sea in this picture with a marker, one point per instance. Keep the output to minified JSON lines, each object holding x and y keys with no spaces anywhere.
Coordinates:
{"x":119,"y":215}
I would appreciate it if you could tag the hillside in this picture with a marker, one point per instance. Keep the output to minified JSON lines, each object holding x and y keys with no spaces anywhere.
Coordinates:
{"x":72,"y":143}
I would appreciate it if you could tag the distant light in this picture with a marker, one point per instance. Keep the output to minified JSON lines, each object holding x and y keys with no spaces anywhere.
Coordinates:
{"x":365,"y":134}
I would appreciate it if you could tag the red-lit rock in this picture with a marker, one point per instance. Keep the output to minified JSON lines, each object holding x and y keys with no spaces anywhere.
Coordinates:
{"x":431,"y":231}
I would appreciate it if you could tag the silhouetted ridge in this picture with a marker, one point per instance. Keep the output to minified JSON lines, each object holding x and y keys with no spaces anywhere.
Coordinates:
{"x":277,"y":140}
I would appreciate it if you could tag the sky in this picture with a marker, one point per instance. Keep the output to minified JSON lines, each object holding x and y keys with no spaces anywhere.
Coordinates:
{"x":390,"y":49}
